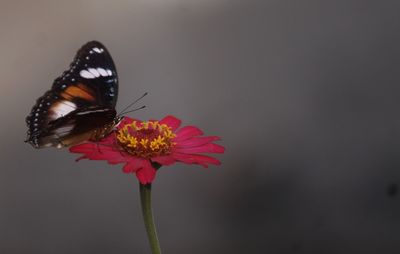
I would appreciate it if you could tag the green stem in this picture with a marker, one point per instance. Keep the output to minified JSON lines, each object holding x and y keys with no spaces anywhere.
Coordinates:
{"x":145,"y":198}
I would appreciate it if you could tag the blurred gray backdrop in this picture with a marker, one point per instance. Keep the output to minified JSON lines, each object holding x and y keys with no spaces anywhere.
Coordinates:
{"x":305,"y":95}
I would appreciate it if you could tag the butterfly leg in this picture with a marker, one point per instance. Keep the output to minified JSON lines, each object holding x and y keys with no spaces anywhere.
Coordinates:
{"x":118,"y":148}
{"x":98,"y":148}
{"x":59,"y":142}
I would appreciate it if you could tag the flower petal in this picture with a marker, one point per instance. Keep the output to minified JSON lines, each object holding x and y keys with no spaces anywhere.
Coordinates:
{"x":203,"y":160}
{"x":171,"y":121}
{"x":187,"y":132}
{"x":133,"y":165}
{"x":94,"y":151}
{"x":207,"y":148}
{"x":146,"y":174}
{"x":197,"y":141}
{"x":164,"y":160}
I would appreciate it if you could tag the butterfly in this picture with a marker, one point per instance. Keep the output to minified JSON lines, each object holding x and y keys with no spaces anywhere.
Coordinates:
{"x":80,"y":105}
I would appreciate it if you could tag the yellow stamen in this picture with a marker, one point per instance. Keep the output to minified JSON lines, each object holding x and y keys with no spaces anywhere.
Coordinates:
{"x":146,"y":139}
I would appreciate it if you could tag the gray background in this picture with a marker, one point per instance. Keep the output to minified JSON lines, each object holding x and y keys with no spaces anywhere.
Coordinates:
{"x":305,"y":95}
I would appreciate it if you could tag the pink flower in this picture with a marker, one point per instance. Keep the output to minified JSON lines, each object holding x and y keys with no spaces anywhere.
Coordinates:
{"x":144,"y":145}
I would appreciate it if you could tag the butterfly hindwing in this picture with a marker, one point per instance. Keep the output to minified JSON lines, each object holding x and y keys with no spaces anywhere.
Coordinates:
{"x":80,"y":101}
{"x":78,"y":126}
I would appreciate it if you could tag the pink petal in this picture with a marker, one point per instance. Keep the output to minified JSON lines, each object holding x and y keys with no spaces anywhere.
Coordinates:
{"x":80,"y":148}
{"x":171,"y":121}
{"x":207,"y":148}
{"x":146,"y":174}
{"x":111,"y":158}
{"x":164,"y":160}
{"x":203,"y":160}
{"x":187,"y":132}
{"x":89,"y":147}
{"x":129,"y":168}
{"x":107,"y":142}
{"x":134,"y":164}
{"x":102,"y":150}
{"x":197,"y":141}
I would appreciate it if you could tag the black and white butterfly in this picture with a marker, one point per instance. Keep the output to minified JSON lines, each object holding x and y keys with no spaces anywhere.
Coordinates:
{"x":81,"y":103}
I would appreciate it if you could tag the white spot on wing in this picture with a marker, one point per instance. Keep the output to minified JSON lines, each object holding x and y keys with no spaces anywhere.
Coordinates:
{"x":44,"y":145}
{"x":64,"y":130}
{"x":94,"y":72}
{"x":98,"y":50}
{"x":61,"y":109}
{"x":102,"y":72}
{"x":86,"y":74}
{"x":91,"y":111}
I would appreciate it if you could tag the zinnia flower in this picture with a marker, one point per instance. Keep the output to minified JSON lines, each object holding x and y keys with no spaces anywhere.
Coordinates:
{"x":144,"y":146}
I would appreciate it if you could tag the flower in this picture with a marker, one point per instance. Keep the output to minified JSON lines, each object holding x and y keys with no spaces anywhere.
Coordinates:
{"x":146,"y":145}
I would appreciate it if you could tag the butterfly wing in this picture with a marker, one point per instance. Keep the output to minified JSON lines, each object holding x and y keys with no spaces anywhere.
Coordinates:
{"x":81,"y":100}
{"x":76,"y":127}
{"x":94,"y":68}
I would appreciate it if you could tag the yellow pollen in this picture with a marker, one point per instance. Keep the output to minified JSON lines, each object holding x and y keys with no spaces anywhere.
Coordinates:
{"x":146,"y":139}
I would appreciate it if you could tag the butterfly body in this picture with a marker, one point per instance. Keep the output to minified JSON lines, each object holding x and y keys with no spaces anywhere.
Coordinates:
{"x":81,"y":103}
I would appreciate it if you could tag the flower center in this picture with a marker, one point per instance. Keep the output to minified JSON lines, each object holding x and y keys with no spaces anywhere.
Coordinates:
{"x":146,"y":139}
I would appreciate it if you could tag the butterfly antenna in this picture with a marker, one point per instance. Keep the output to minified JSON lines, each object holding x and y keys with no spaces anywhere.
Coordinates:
{"x":136,"y":109}
{"x":133,"y":103}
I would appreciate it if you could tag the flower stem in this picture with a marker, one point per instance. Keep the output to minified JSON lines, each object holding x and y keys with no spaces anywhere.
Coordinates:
{"x":145,"y":198}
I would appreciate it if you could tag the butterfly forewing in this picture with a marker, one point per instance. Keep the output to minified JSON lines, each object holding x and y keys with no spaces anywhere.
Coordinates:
{"x":81,"y":101}
{"x":94,"y":68}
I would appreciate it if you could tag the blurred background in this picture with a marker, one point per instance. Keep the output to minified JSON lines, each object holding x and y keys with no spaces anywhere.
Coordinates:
{"x":305,"y":95}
